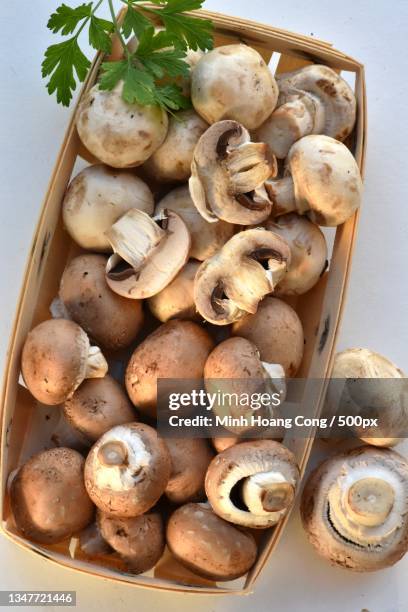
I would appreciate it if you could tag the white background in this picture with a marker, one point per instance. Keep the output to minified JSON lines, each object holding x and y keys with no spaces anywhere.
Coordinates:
{"x":32,"y":127}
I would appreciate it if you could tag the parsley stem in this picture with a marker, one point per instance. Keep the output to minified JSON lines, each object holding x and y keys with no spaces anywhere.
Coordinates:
{"x":117,"y":29}
{"x":88,"y":18}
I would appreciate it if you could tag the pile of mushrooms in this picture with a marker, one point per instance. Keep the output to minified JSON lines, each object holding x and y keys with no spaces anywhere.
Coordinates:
{"x":193,"y":239}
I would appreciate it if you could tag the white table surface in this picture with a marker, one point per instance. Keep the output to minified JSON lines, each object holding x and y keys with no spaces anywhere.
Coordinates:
{"x":32,"y":127}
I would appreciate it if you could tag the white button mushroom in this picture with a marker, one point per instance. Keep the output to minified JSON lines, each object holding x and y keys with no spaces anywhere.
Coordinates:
{"x":190,"y":458}
{"x":176,"y":301}
{"x":323,"y":182}
{"x":370,"y":385}
{"x":354,"y":509}
{"x":110,"y":319}
{"x":312,"y":100}
{"x":234,"y":281}
{"x":148,"y":253}
{"x":96,"y":198}
{"x":48,"y":497}
{"x":172,"y":160}
{"x":228,"y":172}
{"x":233,"y":82}
{"x":206,"y":238}
{"x":119,"y":134}
{"x":127,"y":470}
{"x":276,"y":331}
{"x":268,"y":475}
{"x":308,"y":253}
{"x":57,"y":357}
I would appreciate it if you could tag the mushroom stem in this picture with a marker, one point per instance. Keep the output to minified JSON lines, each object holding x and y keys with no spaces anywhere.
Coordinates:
{"x":275,"y":373}
{"x":113,"y":453}
{"x":250,"y":165}
{"x":282,"y":194}
{"x":267,"y":492}
{"x":370,"y":501}
{"x":96,"y":364}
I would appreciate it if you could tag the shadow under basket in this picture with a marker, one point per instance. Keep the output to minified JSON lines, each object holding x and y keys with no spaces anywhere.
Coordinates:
{"x":320,"y":311}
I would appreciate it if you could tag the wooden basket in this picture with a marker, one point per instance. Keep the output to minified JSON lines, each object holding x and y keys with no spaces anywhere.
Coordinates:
{"x":320,"y":310}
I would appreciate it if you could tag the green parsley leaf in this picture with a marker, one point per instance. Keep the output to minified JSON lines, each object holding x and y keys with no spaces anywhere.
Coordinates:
{"x":134,"y":22}
{"x":60,"y":61}
{"x":192,"y":32}
{"x":66,"y":18}
{"x":158,"y":58}
{"x":138,"y":85}
{"x":171,"y":98}
{"x":99,"y":34}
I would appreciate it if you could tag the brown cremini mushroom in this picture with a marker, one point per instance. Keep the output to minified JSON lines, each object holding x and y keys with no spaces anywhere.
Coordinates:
{"x":209,"y":546}
{"x":127,"y":470}
{"x":176,"y":301}
{"x":222,"y":443}
{"x":48,"y":497}
{"x":97,"y":406}
{"x":312,"y":100}
{"x":110,"y":319}
{"x":234,"y":281}
{"x":57,"y":356}
{"x":96,"y":198}
{"x":206,"y":238}
{"x":308,"y":253}
{"x":228,"y":173}
{"x":276,"y":331}
{"x":322,"y":180}
{"x":190,"y":458}
{"x":148,"y":253}
{"x":139,"y":540}
{"x":267,"y":475}
{"x":233,"y":82}
{"x":119,"y":134}
{"x":177,"y":349}
{"x":354,"y":509}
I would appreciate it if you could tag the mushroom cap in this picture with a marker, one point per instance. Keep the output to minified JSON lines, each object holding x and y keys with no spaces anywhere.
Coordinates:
{"x":268,"y":474}
{"x":172,"y":160}
{"x":234,"y":281}
{"x":121,"y":135}
{"x":112,"y":320}
{"x":312,"y":100}
{"x":127,"y":470}
{"x":206,"y":238}
{"x":374,"y":384}
{"x":177,"y":349}
{"x":48,"y":496}
{"x":233,"y":82}
{"x":354,"y":508}
{"x":308,"y":250}
{"x":190,"y":458}
{"x":227,"y":175}
{"x":97,"y":406}
{"x":221,"y":444}
{"x":96,"y":198}
{"x":209,"y":546}
{"x":148,"y":253}
{"x":139,"y":540}
{"x":56,"y":359}
{"x":176,"y":301}
{"x":277,"y":332}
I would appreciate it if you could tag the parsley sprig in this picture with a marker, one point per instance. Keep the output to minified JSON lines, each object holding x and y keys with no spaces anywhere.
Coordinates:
{"x":149,"y":73}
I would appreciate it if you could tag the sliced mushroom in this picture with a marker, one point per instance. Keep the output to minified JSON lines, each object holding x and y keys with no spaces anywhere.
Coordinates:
{"x":109,"y":318}
{"x":235,"y":368}
{"x":322,"y":181}
{"x":96,"y":198}
{"x":312,"y":100}
{"x":176,"y":301}
{"x":209,"y":546}
{"x":121,"y":135}
{"x":233,"y":82}
{"x":268,"y":475}
{"x":97,"y":406}
{"x":370,"y":385}
{"x":48,"y":497}
{"x":57,"y":357}
{"x":190,"y":458}
{"x":354,"y":508}
{"x":308,"y":250}
{"x":177,"y":349}
{"x":148,"y":253}
{"x":227,"y":175}
{"x":139,"y":540}
{"x":127,"y":470}
{"x":172,"y":160}
{"x":277,"y":332}
{"x":206,"y":238}
{"x":234,"y":281}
